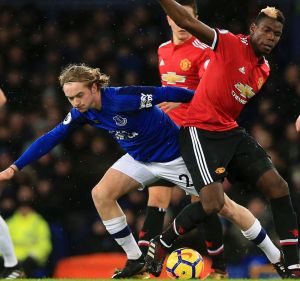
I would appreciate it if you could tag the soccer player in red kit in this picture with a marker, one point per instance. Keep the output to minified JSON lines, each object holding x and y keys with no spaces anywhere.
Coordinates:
{"x":182,"y":62}
{"x":214,"y":146}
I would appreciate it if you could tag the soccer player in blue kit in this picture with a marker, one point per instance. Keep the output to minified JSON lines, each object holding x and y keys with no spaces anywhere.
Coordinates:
{"x":147,"y":134}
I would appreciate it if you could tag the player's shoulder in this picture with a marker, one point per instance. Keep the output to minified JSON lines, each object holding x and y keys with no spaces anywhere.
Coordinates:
{"x":224,"y":33}
{"x":165,"y":45}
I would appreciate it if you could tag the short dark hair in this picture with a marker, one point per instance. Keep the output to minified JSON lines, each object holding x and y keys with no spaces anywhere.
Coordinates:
{"x":190,"y":3}
{"x":272,"y":13}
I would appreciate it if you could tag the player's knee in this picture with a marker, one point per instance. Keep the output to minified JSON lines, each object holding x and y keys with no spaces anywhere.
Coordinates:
{"x":95,"y":194}
{"x":214,"y":206}
{"x":100,"y":196}
{"x":280,"y":189}
{"x":273,"y":185}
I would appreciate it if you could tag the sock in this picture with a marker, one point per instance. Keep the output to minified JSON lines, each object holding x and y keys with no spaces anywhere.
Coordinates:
{"x":285,"y":221}
{"x":152,"y":227}
{"x":259,"y":236}
{"x":186,"y":220}
{"x":214,"y":241}
{"x":6,"y":245}
{"x":121,"y":232}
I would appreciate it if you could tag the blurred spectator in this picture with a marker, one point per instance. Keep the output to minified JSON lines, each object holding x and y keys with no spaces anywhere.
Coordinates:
{"x":30,"y":233}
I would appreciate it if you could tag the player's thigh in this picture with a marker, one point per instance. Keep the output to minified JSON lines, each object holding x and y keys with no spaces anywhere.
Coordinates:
{"x":159,"y":196}
{"x":124,"y":176}
{"x":115,"y":184}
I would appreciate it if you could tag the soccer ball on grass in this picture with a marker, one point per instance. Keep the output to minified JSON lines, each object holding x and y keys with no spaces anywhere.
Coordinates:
{"x":184,"y":263}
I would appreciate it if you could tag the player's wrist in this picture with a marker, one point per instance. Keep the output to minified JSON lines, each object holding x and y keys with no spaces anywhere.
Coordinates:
{"x":14,"y":168}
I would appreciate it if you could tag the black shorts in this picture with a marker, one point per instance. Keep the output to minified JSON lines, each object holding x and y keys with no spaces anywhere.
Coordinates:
{"x":212,"y":156}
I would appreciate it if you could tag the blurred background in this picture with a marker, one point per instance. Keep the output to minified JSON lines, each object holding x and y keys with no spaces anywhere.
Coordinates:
{"x":39,"y":38}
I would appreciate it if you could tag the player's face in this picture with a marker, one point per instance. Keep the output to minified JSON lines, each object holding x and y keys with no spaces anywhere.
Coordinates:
{"x":265,"y":35}
{"x":180,"y":35}
{"x":80,"y":95}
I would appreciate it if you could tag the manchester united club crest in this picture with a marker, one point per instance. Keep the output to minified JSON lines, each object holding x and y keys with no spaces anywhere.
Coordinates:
{"x":185,"y":64}
{"x":260,"y":82}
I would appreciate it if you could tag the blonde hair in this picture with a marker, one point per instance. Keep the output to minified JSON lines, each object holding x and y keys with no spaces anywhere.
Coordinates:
{"x":83,"y":73}
{"x":270,"y":12}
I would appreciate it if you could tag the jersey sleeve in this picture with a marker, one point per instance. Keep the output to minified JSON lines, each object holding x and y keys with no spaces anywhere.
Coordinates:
{"x":45,"y":143}
{"x":134,"y":98}
{"x":203,"y":62}
{"x":226,"y":44}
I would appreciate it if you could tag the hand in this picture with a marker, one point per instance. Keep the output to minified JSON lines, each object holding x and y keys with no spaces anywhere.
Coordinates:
{"x":168,"y":106}
{"x":8,"y":173}
{"x":297,"y":124}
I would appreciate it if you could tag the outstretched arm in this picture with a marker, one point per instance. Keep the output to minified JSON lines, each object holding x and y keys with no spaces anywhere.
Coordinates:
{"x":183,"y":19}
{"x":133,"y":98}
{"x":43,"y":145}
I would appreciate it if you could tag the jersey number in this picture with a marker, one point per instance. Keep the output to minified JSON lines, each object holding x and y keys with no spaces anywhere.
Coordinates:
{"x":186,"y":178}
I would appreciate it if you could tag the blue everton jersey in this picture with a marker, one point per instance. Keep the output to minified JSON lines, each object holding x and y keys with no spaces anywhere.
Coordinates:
{"x":129,"y":114}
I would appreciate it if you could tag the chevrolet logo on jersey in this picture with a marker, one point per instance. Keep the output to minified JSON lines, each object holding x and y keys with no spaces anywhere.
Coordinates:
{"x":245,"y":90}
{"x":173,"y":78}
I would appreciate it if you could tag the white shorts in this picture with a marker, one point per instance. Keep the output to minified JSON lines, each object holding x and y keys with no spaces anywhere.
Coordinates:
{"x":146,"y":173}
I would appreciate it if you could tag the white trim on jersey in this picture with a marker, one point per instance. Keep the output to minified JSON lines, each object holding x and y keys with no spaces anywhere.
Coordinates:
{"x":164,"y":44}
{"x":198,"y":44}
{"x":200,"y":158}
{"x":213,"y":45}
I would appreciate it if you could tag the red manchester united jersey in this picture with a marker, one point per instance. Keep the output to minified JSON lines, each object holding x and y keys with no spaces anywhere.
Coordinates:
{"x":233,"y":76}
{"x":182,"y":66}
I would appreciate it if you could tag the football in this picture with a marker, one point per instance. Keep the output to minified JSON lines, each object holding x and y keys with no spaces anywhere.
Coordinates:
{"x":184,"y":263}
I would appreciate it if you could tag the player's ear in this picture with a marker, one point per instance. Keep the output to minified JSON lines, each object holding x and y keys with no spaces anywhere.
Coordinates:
{"x":94,"y":88}
{"x":253,"y":28}
{"x":169,"y":20}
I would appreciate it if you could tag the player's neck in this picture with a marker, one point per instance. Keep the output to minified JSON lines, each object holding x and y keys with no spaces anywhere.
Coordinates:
{"x":97,"y":102}
{"x":179,"y":41}
{"x":259,"y":56}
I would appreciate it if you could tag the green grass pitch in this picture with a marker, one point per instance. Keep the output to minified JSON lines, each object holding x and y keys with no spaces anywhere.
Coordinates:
{"x":53,"y":279}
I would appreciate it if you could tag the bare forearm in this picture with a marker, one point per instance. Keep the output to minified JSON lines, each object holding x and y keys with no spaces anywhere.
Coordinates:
{"x":183,"y":19}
